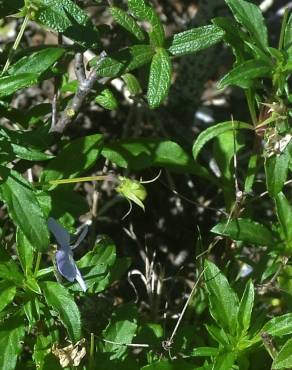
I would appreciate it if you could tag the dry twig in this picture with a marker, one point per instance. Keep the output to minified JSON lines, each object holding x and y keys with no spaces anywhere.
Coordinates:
{"x":85,"y":86}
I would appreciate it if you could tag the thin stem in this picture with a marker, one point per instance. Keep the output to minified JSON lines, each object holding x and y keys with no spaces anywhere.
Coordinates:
{"x":80,"y":179}
{"x":91,"y":352}
{"x":283,"y":28}
{"x":16,"y":43}
{"x":76,"y":179}
{"x":37,"y":264}
{"x":251,"y":107}
{"x":135,"y":345}
{"x":185,"y":307}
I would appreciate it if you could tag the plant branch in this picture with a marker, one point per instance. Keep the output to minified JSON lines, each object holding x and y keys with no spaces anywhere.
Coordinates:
{"x":79,"y":68}
{"x":85,"y":87}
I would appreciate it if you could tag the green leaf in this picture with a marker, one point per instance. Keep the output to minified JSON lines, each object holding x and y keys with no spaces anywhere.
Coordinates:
{"x":43,"y":356}
{"x":251,"y":173}
{"x":38,"y":139}
{"x":245,"y":307}
{"x":224,"y":361}
{"x":45,"y":201}
{"x":283,"y":359}
{"x":223,"y":300}
{"x":279,"y":326}
{"x":16,"y":142}
{"x":245,"y":230}
{"x":7,"y":293}
{"x":218,"y":335}
{"x":66,"y":17}
{"x":75,"y":158}
{"x":233,"y":35}
{"x":204,"y":352}
{"x":65,"y":200}
{"x":259,"y":54}
{"x":61,"y":300}
{"x":132,"y":83}
{"x":12,"y":333}
{"x":243,"y":74}
{"x":11,"y":84}
{"x":42,"y":348}
{"x":288,"y":37}
{"x":123,"y":61}
{"x":276,"y":168}
{"x":32,"y":285}
{"x":95,"y":266}
{"x":172,"y":365}
{"x":24,"y":208}
{"x":9,"y":269}
{"x":159,"y":78}
{"x":6,"y":152}
{"x":250,"y":16}
{"x":25,"y":252}
{"x":29,"y":154}
{"x":121,"y":330}
{"x":193,"y":40}
{"x":284,"y":213}
{"x":212,"y":132}
{"x":31,"y":309}
{"x":127,"y":22}
{"x":107,"y":99}
{"x":141,"y":153}
{"x":146,"y":13}
{"x":37,"y":62}
{"x":225,"y":147}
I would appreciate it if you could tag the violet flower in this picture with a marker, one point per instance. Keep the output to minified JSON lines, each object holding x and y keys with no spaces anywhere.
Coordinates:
{"x":64,"y":255}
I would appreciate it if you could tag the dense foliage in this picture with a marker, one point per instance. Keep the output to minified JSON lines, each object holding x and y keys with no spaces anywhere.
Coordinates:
{"x":57,"y":312}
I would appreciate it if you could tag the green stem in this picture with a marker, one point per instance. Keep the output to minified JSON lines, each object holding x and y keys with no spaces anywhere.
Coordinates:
{"x":75,"y":180}
{"x":91,"y":352}
{"x":251,"y":106}
{"x":16,"y":43}
{"x":80,"y":179}
{"x":37,"y":264}
{"x":283,"y":29}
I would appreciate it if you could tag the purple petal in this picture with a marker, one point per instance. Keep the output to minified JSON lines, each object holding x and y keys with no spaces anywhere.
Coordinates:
{"x":66,"y":264}
{"x":81,"y":236}
{"x":245,"y":270}
{"x":60,"y":233}
{"x":80,"y":280}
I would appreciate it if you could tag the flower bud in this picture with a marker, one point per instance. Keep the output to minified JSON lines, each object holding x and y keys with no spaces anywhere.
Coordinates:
{"x":132,"y":190}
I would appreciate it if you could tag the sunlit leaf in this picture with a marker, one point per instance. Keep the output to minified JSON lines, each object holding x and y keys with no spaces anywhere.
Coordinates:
{"x":159,"y":78}
{"x":194,"y":40}
{"x":245,"y":230}
{"x":61,"y":300}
